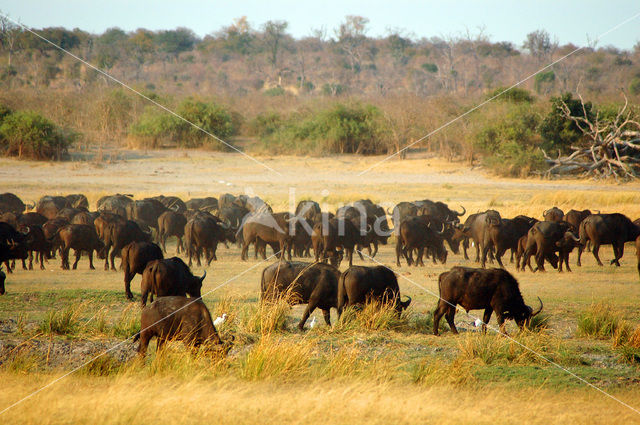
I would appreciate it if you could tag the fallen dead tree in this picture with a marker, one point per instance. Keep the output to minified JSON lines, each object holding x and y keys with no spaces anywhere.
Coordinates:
{"x":612,"y":147}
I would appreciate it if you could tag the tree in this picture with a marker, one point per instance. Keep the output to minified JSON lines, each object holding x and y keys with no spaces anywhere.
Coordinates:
{"x":398,"y":46}
{"x":174,"y":42}
{"x":239,"y":36}
{"x":110,"y":47}
{"x":273,"y":34}
{"x":9,"y":34}
{"x":141,"y":44}
{"x":351,"y":38}
{"x":539,"y":44}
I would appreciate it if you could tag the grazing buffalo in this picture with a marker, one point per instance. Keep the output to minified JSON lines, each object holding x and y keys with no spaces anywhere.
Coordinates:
{"x":171,"y":223}
{"x":116,"y":235}
{"x":268,"y":228}
{"x":115,"y":204}
{"x":50,"y":206}
{"x":543,"y":238}
{"x":167,"y":277}
{"x":11,"y":203}
{"x":2,"y":279}
{"x":602,"y":229}
{"x":314,"y":284}
{"x":177,"y":318}
{"x":135,"y":257}
{"x":79,"y":237}
{"x":78,"y":200}
{"x":359,"y":284}
{"x":553,"y":214}
{"x":488,"y":289}
{"x":415,"y":234}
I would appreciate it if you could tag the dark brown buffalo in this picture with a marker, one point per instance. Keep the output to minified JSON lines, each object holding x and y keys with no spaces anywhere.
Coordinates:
{"x":50,"y":229}
{"x":478,"y":228}
{"x":31,"y":219}
{"x":115,"y":204}
{"x":371,"y":220}
{"x":202,"y":235}
{"x":226,"y":200}
{"x":401,"y":211}
{"x":172,"y":203}
{"x":314,"y":284}
{"x":638,"y":252}
{"x":439,"y":210}
{"x":542,"y":239}
{"x":204,"y":204}
{"x":105,"y":220}
{"x":78,"y":200}
{"x":267,"y":228}
{"x":167,"y":277}
{"x":146,"y":211}
{"x":233,"y":215}
{"x":565,"y":245}
{"x":135,"y":257}
{"x":37,"y":245}
{"x":9,"y":218}
{"x":504,"y":235}
{"x":11,"y":203}
{"x":116,"y":235}
{"x":79,"y":237}
{"x":463,"y":234}
{"x":309,"y":210}
{"x":171,"y":223}
{"x":415,"y":234}
{"x":359,"y":284}
{"x":553,"y":214}
{"x":70,"y":212}
{"x":603,"y":229}
{"x":50,"y":206}
{"x":522,"y":247}
{"x":488,"y":289}
{"x":177,"y":318}
{"x":13,"y":244}
{"x":338,"y":234}
{"x":85,"y":217}
{"x":575,"y":217}
{"x":2,"y":279}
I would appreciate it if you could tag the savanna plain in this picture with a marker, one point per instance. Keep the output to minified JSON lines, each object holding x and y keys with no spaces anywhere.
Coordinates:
{"x":370,"y":367}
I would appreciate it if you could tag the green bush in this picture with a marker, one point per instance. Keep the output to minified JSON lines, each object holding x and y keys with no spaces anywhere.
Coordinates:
{"x":265,"y":124}
{"x":274,"y":91}
{"x":27,"y":134}
{"x":514,"y":95}
{"x":155,"y":127}
{"x":341,"y":128}
{"x":599,"y":321}
{"x":634,"y":86}
{"x":558,"y":132}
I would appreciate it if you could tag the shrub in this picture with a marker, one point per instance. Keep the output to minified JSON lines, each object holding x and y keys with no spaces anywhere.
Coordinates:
{"x":276,"y":358}
{"x":27,"y":134}
{"x":374,"y":316}
{"x":62,"y":322}
{"x":559,"y":132}
{"x":514,"y":95}
{"x":634,"y":86}
{"x":274,"y":91}
{"x":155,"y":126}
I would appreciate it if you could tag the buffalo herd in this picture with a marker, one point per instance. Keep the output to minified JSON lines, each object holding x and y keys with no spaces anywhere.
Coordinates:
{"x":138,"y":230}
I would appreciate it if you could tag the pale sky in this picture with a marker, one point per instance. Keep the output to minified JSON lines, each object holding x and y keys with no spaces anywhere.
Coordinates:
{"x":568,"y":20}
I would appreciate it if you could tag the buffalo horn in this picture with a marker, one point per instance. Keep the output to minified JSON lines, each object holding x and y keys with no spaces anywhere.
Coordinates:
{"x":203,"y":276}
{"x":407,"y":302}
{"x":31,"y":205}
{"x":538,"y":310}
{"x":26,"y":230}
{"x":390,"y":213}
{"x":223,"y":224}
{"x":464,"y":211}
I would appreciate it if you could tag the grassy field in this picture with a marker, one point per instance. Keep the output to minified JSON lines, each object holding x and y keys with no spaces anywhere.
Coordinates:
{"x":374,"y":369}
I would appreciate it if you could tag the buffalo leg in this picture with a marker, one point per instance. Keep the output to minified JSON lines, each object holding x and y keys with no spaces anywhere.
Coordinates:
{"x":375,"y":249}
{"x":450,"y":315}
{"x":350,"y":255}
{"x":398,"y":252}
{"x":327,"y":316}
{"x":359,"y":250}
{"x":580,"y":249}
{"x":145,"y":336}
{"x":596,"y":249}
{"x":618,"y":251}
{"x":91,"y":260}
{"x":307,"y":312}
{"x":112,"y":257}
{"x":485,"y":319}
{"x":128,"y":277}
{"x":78,"y":254}
{"x":107,"y":248}
{"x":465,"y":246}
{"x":437,"y":315}
{"x":179,"y":245}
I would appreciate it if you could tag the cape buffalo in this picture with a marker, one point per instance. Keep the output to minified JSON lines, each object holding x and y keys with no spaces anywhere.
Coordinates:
{"x":80,"y":237}
{"x":13,"y":244}
{"x":176,"y":318}
{"x":78,"y":200}
{"x":115,"y":204}
{"x":542,"y":239}
{"x":504,"y":235}
{"x":167,"y":277}
{"x":204,"y":204}
{"x":575,"y":217}
{"x":553,"y":214}
{"x":416,"y":234}
{"x":11,"y":203}
{"x":135,"y":257}
{"x":204,"y":234}
{"x":314,"y":284}
{"x":359,"y":284}
{"x":116,"y":235}
{"x":489,"y":289}
{"x":602,"y":229}
{"x":338,"y":233}
{"x":171,"y":223}
{"x":49,"y":206}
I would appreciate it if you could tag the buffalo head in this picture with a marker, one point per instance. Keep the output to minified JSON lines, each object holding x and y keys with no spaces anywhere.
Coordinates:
{"x":194,"y":287}
{"x":402,"y":305}
{"x":523,"y":316}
